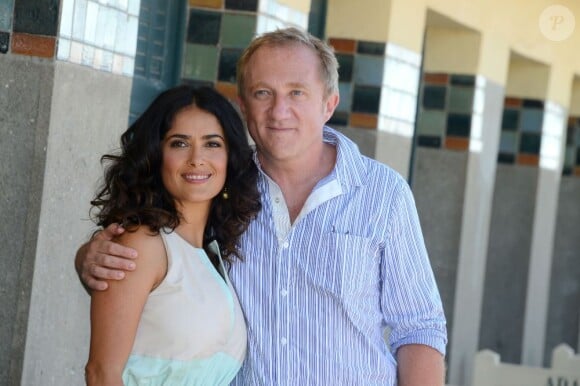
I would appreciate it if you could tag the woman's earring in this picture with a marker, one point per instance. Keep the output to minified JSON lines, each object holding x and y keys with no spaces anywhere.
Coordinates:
{"x":225,"y":194}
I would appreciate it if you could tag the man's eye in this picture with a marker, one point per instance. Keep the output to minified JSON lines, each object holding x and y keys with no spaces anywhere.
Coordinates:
{"x":261,"y":93}
{"x":297,"y":92}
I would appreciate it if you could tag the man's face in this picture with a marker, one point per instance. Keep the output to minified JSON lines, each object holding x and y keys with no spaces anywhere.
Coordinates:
{"x":283,"y":102}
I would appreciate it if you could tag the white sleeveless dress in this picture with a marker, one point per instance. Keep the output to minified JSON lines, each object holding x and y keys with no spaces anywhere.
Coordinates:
{"x":192,"y":330}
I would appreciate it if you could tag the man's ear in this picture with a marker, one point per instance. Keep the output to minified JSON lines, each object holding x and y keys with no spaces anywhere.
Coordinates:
{"x":330,"y":105}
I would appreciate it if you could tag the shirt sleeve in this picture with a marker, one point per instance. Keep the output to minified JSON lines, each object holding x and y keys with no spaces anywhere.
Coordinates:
{"x":410,"y":300}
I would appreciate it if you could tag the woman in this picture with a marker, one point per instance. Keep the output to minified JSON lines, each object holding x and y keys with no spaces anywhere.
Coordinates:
{"x":184,"y":178}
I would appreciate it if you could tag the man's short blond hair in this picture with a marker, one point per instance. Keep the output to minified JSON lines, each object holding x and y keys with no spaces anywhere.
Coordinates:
{"x":290,"y":36}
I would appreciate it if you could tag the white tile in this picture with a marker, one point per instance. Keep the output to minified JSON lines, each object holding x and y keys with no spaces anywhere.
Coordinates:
{"x":263,"y":5}
{"x":63,"y":51}
{"x":107,"y":61}
{"x":122,"y":5}
{"x":134,"y":7}
{"x":98,"y":59}
{"x":128,"y":66}
{"x":79,"y":18}
{"x":88,"y":54}
{"x":117,"y":64}
{"x":91,"y":22}
{"x":109,"y":29}
{"x":76,"y":52}
{"x":66,"y":18}
{"x":131,"y":36}
{"x":121,"y":34}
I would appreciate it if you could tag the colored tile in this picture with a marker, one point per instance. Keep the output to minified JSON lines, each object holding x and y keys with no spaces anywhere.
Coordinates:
{"x":569,"y":156}
{"x":345,"y":92}
{"x":204,"y":27}
{"x":206,"y":3}
{"x":368,"y":70}
{"x":506,"y":158}
{"x":534,"y":103}
{"x":431,"y":122}
{"x":6,"y":12}
{"x":339,"y":118}
{"x":434,"y":97}
{"x":429,"y":141}
{"x":345,"y":67}
{"x":229,"y":90}
{"x":456,"y":143}
{"x":370,"y":48}
{"x":512,"y":102}
{"x":4,"y":42}
{"x":578,"y":157}
{"x":365,"y":121}
{"x":462,"y":80}
{"x":366,"y":99}
{"x":461,"y":99}
{"x":577,"y":171}
{"x":200,"y":62}
{"x":196,"y":83}
{"x":435,"y":78}
{"x":227,"y":64}
{"x":531,"y":120}
{"x":510,"y":119}
{"x":33,"y":45}
{"x":38,"y":17}
{"x":242,"y":5}
{"x":237,"y":30}
{"x":528,"y":159}
{"x":508,"y":142}
{"x":530,"y":143}
{"x":343,"y":45}
{"x":459,"y":125}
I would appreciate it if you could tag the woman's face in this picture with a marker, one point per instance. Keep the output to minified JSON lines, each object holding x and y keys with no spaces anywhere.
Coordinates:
{"x":195,"y":157}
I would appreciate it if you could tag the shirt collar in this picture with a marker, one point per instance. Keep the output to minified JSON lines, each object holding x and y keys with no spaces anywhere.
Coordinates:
{"x":349,"y":169}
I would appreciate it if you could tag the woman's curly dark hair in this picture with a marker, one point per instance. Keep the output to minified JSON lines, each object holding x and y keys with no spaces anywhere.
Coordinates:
{"x":133,"y":194}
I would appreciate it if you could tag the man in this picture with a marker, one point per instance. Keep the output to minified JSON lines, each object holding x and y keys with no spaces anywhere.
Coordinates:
{"x":335,"y":256}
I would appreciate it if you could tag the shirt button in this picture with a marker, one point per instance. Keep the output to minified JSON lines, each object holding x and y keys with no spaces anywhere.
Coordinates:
{"x":283,"y":292}
{"x":277,"y":200}
{"x":285,"y":245}
{"x":283,"y":341}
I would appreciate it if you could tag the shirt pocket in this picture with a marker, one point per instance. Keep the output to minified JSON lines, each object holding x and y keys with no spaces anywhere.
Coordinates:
{"x":343,"y":265}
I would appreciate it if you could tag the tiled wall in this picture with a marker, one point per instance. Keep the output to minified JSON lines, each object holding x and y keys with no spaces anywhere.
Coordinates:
{"x":445,"y":110}
{"x":361,"y":65}
{"x":28,"y":27}
{"x":521,"y":131}
{"x":572,"y":154}
{"x":219,"y":30}
{"x":100,"y":33}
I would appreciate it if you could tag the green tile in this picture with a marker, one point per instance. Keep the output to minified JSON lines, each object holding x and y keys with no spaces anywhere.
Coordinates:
{"x":461,"y":99}
{"x":569,"y":156}
{"x":237,"y":30}
{"x":200,"y":62}
{"x":431,"y":122}
{"x":345,"y":92}
{"x":508,"y":142}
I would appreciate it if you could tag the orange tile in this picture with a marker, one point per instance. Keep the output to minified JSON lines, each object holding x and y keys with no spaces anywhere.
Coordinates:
{"x":577,"y":171}
{"x":343,"y":45}
{"x":435,"y":78}
{"x":513,"y":102}
{"x":366,"y":121}
{"x":457,"y":143}
{"x":229,"y":90}
{"x":207,"y":3}
{"x":33,"y":45}
{"x":528,"y":159}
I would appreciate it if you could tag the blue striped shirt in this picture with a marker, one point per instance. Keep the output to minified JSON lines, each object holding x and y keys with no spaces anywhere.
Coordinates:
{"x":318,"y":294}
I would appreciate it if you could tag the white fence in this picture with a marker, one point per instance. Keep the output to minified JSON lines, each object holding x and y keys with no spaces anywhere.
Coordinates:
{"x":565,"y":370}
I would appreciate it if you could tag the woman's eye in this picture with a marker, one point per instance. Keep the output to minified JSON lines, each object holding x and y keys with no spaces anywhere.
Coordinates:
{"x":214,"y":144}
{"x":177,"y":143}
